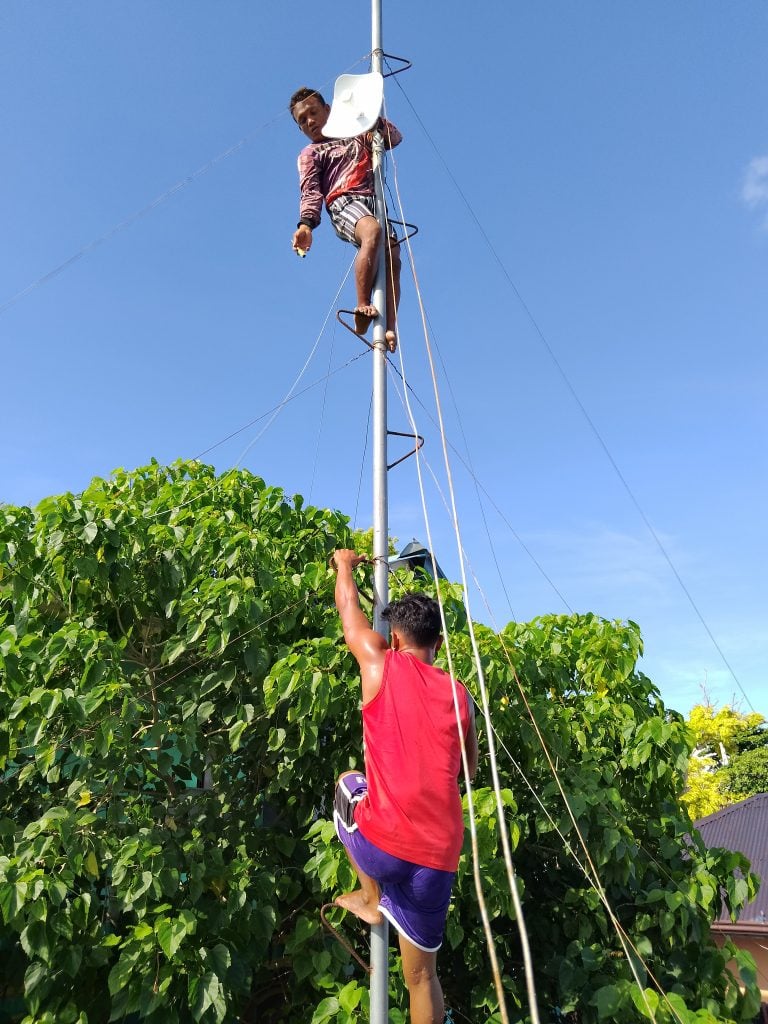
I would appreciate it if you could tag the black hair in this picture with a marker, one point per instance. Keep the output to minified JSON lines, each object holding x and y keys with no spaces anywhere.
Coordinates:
{"x":304,"y":93}
{"x":417,"y":617}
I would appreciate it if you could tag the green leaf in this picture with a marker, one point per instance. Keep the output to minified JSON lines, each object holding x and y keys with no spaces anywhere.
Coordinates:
{"x":221,"y":960}
{"x":120,"y":975}
{"x":57,"y":890}
{"x":607,"y":1000}
{"x":204,"y":993}
{"x":235,"y":735}
{"x":305,"y":929}
{"x":36,"y":975}
{"x":170,"y":934}
{"x":646,"y":1001}
{"x":71,"y":959}
{"x":34,"y":941}
{"x":349,"y":997}
{"x":205,"y":710}
{"x":326,"y":1009}
{"x":12,"y":896}
{"x":175,"y":651}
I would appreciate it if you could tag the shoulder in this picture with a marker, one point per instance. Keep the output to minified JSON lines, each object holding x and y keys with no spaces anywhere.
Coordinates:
{"x":374,"y":675}
{"x":461,"y":690}
{"x":314,"y":151}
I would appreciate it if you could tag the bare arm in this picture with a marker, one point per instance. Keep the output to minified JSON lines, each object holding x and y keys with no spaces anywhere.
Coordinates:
{"x":392,"y":136}
{"x":368,"y":647}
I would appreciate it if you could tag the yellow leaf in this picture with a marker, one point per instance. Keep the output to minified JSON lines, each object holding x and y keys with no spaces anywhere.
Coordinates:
{"x":92,"y":865}
{"x":85,"y":798}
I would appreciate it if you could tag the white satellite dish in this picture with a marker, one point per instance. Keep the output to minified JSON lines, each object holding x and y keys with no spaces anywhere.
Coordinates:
{"x":356,"y":105}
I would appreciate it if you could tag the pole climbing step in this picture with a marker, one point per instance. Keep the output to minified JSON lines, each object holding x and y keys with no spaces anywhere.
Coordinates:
{"x":407,"y":64}
{"x":340,"y":938}
{"x":410,"y":230}
{"x":350,"y":328}
{"x":415,"y":437}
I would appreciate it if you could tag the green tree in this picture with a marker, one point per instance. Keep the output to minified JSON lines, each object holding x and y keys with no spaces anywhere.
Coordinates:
{"x":704,"y":787}
{"x":620,"y":757}
{"x":747,"y":773}
{"x":149,"y":839}
{"x":721,"y":732}
{"x":730,"y":758}
{"x":175,"y":702}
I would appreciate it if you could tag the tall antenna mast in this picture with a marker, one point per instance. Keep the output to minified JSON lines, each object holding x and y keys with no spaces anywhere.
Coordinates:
{"x":379,"y":990}
{"x":380,"y":511}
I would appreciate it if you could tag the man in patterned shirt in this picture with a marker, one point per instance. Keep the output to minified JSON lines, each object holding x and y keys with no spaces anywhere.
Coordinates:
{"x":339,"y":172}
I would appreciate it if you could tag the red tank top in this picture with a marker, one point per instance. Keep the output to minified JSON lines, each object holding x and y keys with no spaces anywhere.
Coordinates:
{"x":412,"y":762}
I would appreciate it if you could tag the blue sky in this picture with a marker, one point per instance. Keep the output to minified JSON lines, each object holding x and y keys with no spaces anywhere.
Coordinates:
{"x":615,"y":156}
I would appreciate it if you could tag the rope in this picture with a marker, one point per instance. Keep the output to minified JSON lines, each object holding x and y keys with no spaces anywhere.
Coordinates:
{"x":467,"y":465}
{"x":465,"y":764}
{"x":277,"y":410}
{"x":592,"y":878}
{"x":322,"y":417}
{"x":280,"y":405}
{"x":622,"y":935}
{"x":574,"y":394}
{"x":623,"y":938}
{"x":362,"y":461}
{"x":153,"y":205}
{"x":572,"y":769}
{"x":478,"y":483}
{"x":590,"y":872}
{"x":503,"y":832}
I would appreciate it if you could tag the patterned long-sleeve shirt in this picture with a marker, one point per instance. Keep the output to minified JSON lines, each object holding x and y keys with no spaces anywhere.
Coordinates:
{"x":338,"y":167}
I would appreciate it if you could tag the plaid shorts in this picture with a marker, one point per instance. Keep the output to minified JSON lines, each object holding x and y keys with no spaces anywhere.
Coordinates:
{"x":347,"y":210}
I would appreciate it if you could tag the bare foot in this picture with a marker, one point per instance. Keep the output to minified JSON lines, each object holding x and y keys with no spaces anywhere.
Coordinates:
{"x":363,"y":317}
{"x":391,"y":339}
{"x":357,"y":904}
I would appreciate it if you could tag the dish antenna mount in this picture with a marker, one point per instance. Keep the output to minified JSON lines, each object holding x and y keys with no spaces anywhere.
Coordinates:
{"x":356,"y":105}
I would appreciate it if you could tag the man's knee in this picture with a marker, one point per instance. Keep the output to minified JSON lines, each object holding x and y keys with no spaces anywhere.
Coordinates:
{"x":368,"y":231}
{"x":418,"y":975}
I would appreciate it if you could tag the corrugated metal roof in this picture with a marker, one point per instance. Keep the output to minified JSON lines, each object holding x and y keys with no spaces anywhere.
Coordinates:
{"x":743,"y":827}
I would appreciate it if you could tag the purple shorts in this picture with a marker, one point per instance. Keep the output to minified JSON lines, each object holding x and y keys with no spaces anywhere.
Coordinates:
{"x":413,"y":898}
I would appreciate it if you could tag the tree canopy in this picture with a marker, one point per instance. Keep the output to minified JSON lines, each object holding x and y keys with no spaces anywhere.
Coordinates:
{"x":175,"y":703}
{"x":729,"y":761}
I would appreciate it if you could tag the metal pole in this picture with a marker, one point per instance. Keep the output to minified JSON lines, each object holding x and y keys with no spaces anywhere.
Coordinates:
{"x":379,"y":990}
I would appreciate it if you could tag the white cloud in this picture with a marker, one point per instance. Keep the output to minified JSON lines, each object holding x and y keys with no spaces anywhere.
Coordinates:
{"x":754,"y":190}
{"x":597,"y":558}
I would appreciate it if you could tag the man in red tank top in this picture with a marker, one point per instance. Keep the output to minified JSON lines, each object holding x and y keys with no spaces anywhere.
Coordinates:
{"x":401,"y":823}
